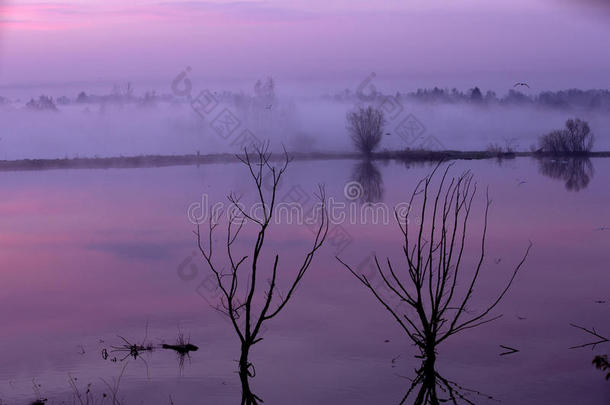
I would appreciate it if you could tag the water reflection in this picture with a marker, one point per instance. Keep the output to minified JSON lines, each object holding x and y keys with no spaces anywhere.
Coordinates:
{"x":575,"y":172}
{"x":429,"y":387}
{"x":431,"y":299}
{"x":147,"y":207}
{"x":247,"y":396}
{"x":368,"y":175}
{"x":132,"y":350}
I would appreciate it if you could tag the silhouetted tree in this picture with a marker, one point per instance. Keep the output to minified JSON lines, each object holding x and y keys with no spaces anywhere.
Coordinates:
{"x":44,"y":103}
{"x":122,"y":93}
{"x":82,"y":97}
{"x":516,"y":97}
{"x":365,"y":127}
{"x":63,"y":100}
{"x":149,"y":99}
{"x":575,"y":138}
{"x":433,"y":286}
{"x":240,"y":305}
{"x":491,"y":97}
{"x":264,"y":91}
{"x":476,"y":95}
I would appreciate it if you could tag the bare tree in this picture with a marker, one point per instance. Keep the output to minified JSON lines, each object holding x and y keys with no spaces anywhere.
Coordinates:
{"x":429,"y":285}
{"x":575,"y":138}
{"x":250,"y":307}
{"x":365,"y":127}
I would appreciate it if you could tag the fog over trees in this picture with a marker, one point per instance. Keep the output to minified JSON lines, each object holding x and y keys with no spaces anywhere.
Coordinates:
{"x":131,"y":120}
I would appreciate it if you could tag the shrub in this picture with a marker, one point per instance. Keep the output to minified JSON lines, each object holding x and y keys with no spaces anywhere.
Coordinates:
{"x":495,"y":148}
{"x":575,"y":138}
{"x":366,"y":128}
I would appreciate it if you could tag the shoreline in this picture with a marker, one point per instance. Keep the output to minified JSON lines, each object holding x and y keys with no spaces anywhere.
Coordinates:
{"x":150,"y":161}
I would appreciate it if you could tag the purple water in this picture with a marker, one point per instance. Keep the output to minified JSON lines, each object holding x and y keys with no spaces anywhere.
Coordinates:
{"x":88,"y":255}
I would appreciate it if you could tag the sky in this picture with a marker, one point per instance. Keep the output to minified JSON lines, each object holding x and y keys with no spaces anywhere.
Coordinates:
{"x":417,"y":43}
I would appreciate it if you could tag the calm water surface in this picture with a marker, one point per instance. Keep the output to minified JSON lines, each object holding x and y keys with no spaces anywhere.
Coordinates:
{"x":88,"y":255}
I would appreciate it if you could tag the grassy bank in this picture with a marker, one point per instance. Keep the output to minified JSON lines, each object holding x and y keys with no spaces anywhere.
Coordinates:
{"x":197,"y":159}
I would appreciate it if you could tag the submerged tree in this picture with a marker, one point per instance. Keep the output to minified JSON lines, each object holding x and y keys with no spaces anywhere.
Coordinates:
{"x":250,"y":306}
{"x":365,"y":127}
{"x":433,"y":306}
{"x":430,"y":387}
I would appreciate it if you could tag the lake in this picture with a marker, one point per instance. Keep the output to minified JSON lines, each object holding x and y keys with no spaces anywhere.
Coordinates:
{"x":92,"y":257}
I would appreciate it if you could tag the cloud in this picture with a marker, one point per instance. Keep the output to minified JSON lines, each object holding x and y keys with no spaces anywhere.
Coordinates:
{"x":53,"y":14}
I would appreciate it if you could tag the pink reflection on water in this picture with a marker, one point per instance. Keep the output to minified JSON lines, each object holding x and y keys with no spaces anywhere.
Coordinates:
{"x":91,"y":254}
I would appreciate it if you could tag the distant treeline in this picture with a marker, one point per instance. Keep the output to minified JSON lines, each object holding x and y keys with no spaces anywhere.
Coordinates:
{"x":264,"y":97}
{"x":117,"y":96}
{"x":563,"y":99}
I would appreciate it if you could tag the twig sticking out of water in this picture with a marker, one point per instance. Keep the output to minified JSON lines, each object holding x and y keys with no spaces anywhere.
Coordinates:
{"x":592,"y":331}
{"x":40,"y":400}
{"x":87,"y":397}
{"x":133,"y":350}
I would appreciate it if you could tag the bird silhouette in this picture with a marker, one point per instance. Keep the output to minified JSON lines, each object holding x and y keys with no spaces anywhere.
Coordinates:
{"x":521,"y":84}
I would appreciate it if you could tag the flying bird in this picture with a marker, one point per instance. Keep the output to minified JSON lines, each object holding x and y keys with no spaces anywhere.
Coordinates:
{"x":522,"y":84}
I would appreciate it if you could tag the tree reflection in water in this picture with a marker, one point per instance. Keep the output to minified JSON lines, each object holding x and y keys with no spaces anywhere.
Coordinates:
{"x":576,"y":172}
{"x":429,"y":387}
{"x":368,"y":176}
{"x":431,"y":296}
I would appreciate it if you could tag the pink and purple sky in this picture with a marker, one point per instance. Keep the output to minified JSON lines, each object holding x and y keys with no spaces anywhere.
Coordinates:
{"x":553,"y":43}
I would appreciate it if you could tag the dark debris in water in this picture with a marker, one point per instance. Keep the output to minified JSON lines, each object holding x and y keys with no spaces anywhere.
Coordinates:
{"x":181,"y":348}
